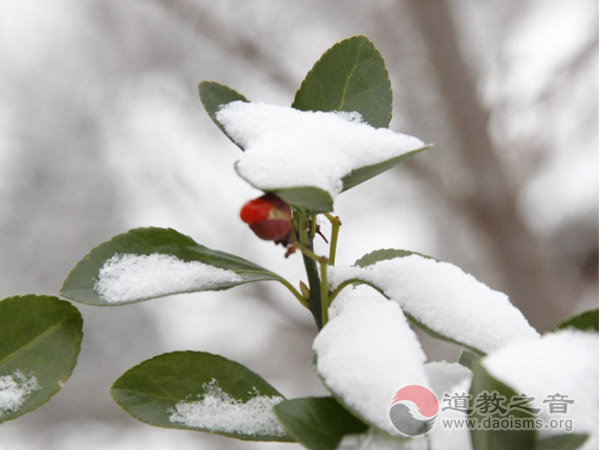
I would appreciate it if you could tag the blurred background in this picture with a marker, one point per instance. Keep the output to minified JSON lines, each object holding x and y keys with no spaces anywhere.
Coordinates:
{"x":101,"y":130}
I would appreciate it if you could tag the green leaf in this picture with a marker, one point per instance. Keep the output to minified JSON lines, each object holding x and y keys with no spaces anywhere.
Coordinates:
{"x":82,"y":282}
{"x":40,"y":338}
{"x":318,"y":423}
{"x":383,"y":254}
{"x":562,"y":442}
{"x":203,"y":392}
{"x":585,"y":321}
{"x":213,"y":95}
{"x":497,"y":439}
{"x":308,"y":198}
{"x":350,"y":76}
{"x":365,"y":173}
{"x":468,"y":359}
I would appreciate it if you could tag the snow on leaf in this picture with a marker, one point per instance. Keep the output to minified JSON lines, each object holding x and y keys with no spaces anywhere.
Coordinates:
{"x":219,"y":412}
{"x":564,"y":363}
{"x":366,"y":352}
{"x":289,"y":148}
{"x":128,"y":277}
{"x":14,"y":390}
{"x":452,"y":379}
{"x":443,"y":299}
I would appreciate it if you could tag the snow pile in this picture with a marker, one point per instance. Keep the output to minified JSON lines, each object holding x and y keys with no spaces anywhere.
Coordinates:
{"x":444,"y":377}
{"x":14,"y":390}
{"x":444,"y":299}
{"x":450,"y":378}
{"x":219,"y":412}
{"x":366,"y":352}
{"x":564,"y":363}
{"x":286,"y":147}
{"x":129,"y":277}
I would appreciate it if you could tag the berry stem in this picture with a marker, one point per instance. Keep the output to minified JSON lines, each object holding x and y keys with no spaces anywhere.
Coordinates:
{"x":335,"y":230}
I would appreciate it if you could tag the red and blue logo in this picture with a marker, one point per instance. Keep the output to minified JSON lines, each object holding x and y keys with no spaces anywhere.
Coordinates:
{"x":414,"y":409}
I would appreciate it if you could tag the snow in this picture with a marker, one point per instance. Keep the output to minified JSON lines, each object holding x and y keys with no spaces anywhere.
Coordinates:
{"x":129,"y":277}
{"x":444,"y":376}
{"x":219,"y":412}
{"x":14,"y":390}
{"x":451,"y":378}
{"x":445,"y":299}
{"x":286,"y":147}
{"x":566,"y":363}
{"x":366,"y":352}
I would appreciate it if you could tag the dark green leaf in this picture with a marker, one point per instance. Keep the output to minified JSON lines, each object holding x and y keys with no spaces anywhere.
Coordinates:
{"x":468,"y":358}
{"x":213,"y":95}
{"x":365,"y":173}
{"x":585,"y":321}
{"x":562,"y":442}
{"x":383,"y":254}
{"x":40,"y":338}
{"x":497,"y":439}
{"x":167,"y":389}
{"x":350,"y":76}
{"x":318,"y":423}
{"x":309,"y":198}
{"x":80,"y":284}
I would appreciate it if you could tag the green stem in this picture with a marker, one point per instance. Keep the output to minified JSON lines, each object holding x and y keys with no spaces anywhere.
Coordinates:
{"x":324,"y":292}
{"x":310,"y":266}
{"x":335,"y":230}
{"x":308,"y":252}
{"x":294,"y":291}
{"x":313,"y":226}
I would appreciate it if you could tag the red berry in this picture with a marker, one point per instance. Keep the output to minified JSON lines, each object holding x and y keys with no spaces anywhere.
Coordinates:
{"x":270,"y":218}
{"x":271,"y":230}
{"x":255,"y":211}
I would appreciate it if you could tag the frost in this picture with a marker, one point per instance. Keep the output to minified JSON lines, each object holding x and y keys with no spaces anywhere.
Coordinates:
{"x":444,"y":299}
{"x":366,"y":352}
{"x":286,"y":147}
{"x":219,"y":412}
{"x":564,"y":363}
{"x":129,"y":277}
{"x":14,"y":390}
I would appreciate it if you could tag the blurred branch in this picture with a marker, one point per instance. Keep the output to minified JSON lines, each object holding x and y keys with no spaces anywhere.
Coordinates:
{"x":228,"y":38}
{"x":565,"y":73}
{"x":492,"y":204}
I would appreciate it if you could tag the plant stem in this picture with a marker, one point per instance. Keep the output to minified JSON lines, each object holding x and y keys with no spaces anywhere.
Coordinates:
{"x":324,"y":292}
{"x":308,"y":252}
{"x":313,"y":226}
{"x":310,"y":265}
{"x":335,"y":229}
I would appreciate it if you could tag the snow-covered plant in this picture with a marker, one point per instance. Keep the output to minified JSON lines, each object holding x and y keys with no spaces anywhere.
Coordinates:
{"x":383,"y":392}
